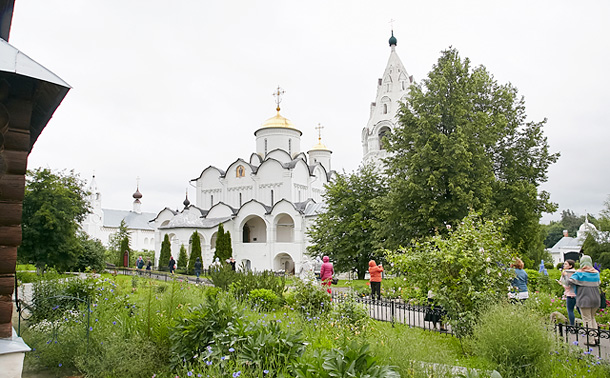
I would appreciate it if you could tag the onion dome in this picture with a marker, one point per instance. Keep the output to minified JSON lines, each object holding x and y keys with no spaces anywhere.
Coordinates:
{"x":278,"y":121}
{"x":186,"y":202}
{"x":393,"y":41}
{"x":137,"y":195}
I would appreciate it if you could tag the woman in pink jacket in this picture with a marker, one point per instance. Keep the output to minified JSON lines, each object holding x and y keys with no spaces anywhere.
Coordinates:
{"x":326,"y":273}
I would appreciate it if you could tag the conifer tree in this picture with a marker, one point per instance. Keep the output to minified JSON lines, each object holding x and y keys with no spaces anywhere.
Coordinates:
{"x":125,"y":248}
{"x":182,"y":258}
{"x":220,"y":242}
{"x":228,"y":246}
{"x":195,"y":252}
{"x":166,"y":251}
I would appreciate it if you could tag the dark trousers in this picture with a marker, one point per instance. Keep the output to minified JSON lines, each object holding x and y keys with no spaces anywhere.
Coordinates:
{"x":375,"y":288}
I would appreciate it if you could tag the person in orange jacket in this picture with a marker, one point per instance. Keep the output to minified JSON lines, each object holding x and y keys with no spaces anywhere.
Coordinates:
{"x":375,"y":272}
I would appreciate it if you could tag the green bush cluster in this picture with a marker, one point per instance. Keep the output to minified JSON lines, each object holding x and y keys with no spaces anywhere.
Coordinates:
{"x":309,"y":298}
{"x":515,"y":340}
{"x":244,"y":282}
{"x":264,"y":299}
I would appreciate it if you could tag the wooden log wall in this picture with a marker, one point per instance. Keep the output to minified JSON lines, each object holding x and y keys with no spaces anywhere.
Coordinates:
{"x":16,"y":108}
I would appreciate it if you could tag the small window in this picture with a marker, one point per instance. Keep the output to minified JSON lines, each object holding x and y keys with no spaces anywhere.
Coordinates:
{"x":402,"y":85}
{"x":290,"y":147}
{"x":385,"y":108}
{"x":265,"y":146}
{"x":239,"y":199}
{"x":211,"y":200}
{"x":240,"y":171}
{"x":271,"y":197}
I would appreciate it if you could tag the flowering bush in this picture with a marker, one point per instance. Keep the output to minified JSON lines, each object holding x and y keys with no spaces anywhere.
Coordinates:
{"x":466,"y":270}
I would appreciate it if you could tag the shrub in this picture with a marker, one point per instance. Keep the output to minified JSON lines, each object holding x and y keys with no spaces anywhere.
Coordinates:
{"x":222,"y":276}
{"x":514,"y":338}
{"x":245,"y":282}
{"x":309,"y":298}
{"x":263,"y":299}
{"x":350,"y":312}
{"x":197,"y":329}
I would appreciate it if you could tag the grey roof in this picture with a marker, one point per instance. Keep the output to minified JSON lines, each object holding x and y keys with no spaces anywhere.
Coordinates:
{"x":313,"y":209}
{"x":14,"y":61}
{"x":133,"y":220}
{"x":567,"y":242}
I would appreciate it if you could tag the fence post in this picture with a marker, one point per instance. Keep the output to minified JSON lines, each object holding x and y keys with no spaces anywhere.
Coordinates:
{"x":392,"y":313}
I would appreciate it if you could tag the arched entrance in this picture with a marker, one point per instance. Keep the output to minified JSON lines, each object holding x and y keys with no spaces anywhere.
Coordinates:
{"x":283,"y":262}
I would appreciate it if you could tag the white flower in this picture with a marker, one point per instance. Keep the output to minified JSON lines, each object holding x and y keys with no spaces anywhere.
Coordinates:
{"x":488,"y":259}
{"x":448,"y":227}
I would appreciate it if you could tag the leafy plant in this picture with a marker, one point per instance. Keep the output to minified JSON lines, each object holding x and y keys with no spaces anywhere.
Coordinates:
{"x":350,"y":312}
{"x":198,"y":328}
{"x":352,"y":361}
{"x":263,"y":299}
{"x":222,"y":276}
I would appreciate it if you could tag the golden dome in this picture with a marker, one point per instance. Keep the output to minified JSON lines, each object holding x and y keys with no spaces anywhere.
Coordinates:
{"x":278,"y":121}
{"x":320,"y":146}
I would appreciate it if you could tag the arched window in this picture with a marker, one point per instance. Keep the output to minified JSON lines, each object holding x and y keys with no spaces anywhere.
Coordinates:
{"x":385,"y":108}
{"x":382,"y":134}
{"x":246,"y":234}
{"x":271,"y":197}
{"x":240,"y":171}
{"x":402,"y":85}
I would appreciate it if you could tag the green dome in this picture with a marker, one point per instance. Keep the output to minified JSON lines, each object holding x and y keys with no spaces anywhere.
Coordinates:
{"x":393,"y":41}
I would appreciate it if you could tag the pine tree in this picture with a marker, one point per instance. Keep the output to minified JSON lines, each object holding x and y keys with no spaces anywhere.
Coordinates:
{"x":229,"y":247}
{"x":220,"y":242}
{"x":182,"y":258}
{"x":195,"y":252}
{"x":165,"y":254}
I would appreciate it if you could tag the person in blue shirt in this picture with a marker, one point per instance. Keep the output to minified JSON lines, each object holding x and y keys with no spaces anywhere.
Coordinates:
{"x":586,"y":281}
{"x":519,"y":283}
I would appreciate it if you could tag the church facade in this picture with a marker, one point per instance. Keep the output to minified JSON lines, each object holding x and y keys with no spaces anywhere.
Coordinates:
{"x":266,"y":202}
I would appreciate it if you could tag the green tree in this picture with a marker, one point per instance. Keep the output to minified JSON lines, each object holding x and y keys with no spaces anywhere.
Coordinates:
{"x":115,"y":244}
{"x":182,"y":258}
{"x":463,"y":142}
{"x":53,"y":207}
{"x":92,"y":255}
{"x":466,"y":268}
{"x":344,"y":232}
{"x":164,"y":255}
{"x":195,"y":252}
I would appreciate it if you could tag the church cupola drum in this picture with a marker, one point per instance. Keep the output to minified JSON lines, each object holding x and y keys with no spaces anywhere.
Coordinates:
{"x":392,"y":88}
{"x":278,"y":133}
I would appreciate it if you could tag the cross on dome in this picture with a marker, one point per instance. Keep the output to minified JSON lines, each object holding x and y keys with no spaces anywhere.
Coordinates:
{"x":278,"y":96}
{"x":319,"y":128}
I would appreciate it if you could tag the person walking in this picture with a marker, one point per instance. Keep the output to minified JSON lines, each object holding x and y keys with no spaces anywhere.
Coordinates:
{"x":232,"y":263}
{"x":172,"y":264}
{"x":568,"y":289}
{"x":326,"y":273}
{"x":140,"y":264}
{"x":586,"y":281}
{"x":375,"y":279}
{"x":148,"y":266}
{"x":519,"y":282}
{"x":197,"y":267}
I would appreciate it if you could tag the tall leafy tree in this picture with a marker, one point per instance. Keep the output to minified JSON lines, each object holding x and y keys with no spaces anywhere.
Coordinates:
{"x":463,"y":142}
{"x":164,"y":255}
{"x":92,"y":255}
{"x":344,"y":232}
{"x":54,"y":205}
{"x":195,"y":252}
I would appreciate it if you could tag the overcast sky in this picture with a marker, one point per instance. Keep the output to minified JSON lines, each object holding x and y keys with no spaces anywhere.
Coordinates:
{"x":163,"y":89}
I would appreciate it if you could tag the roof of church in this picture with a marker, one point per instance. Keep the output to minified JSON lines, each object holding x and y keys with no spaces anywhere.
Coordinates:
{"x":567,"y":242}
{"x":133,"y":220}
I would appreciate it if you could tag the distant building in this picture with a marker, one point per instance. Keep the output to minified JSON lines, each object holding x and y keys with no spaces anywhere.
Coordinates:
{"x":392,"y":88}
{"x":102,"y":223}
{"x":571,"y":248}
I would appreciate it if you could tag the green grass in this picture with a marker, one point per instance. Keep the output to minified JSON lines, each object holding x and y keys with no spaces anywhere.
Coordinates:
{"x":25,"y":267}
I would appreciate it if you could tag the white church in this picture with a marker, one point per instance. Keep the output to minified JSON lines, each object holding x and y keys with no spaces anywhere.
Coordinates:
{"x":268,"y":200}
